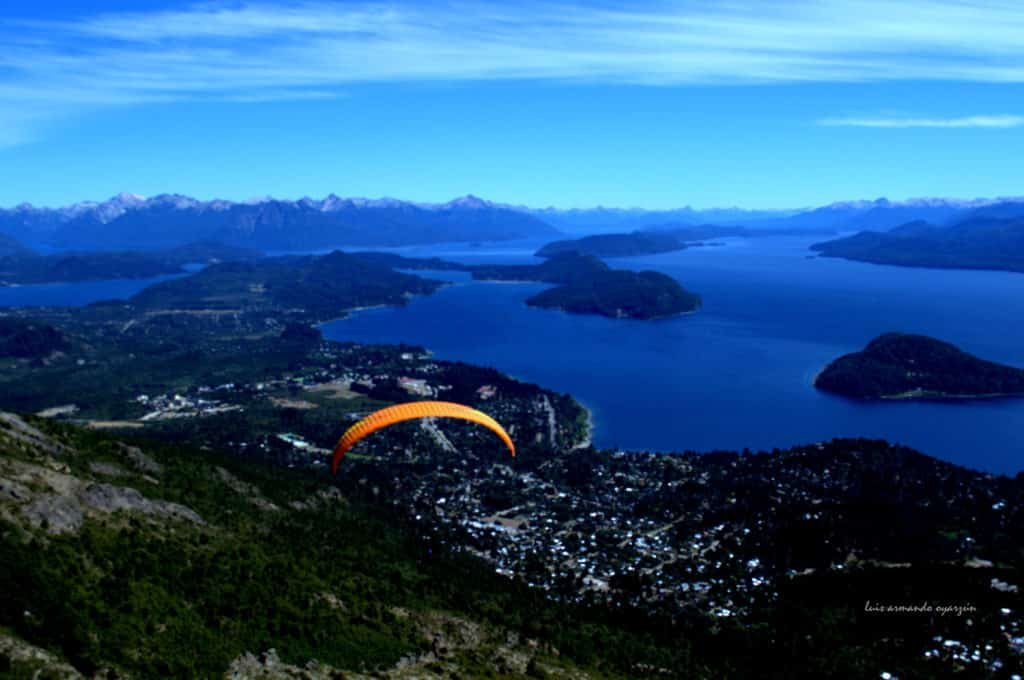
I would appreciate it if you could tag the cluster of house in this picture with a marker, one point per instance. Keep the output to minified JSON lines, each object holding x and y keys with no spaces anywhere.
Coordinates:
{"x":170,"y":406}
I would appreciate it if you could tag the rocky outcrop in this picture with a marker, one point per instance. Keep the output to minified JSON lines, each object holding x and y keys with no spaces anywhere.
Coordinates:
{"x":14,"y":428}
{"x":22,"y":660}
{"x":268,"y":666}
{"x":59,"y":503}
{"x":249,"y":491}
{"x":140,"y":461}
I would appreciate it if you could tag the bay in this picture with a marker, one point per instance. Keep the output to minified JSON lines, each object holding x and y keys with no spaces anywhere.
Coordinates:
{"x":738,"y":374}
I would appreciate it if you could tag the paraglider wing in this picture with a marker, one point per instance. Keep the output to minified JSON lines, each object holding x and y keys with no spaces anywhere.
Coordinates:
{"x":411,"y":411}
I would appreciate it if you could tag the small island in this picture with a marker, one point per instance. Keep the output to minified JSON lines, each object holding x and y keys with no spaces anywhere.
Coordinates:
{"x":586,"y":285}
{"x":905,"y":366}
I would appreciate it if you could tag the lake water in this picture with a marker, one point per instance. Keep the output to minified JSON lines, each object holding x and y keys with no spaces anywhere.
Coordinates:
{"x":738,"y":373}
{"x":76,"y":294}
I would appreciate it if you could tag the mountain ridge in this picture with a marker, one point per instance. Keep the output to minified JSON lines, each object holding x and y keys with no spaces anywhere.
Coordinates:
{"x":128,"y":221}
{"x":132,"y":221}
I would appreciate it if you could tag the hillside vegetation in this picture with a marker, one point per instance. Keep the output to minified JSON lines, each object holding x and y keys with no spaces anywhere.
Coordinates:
{"x":161,"y":561}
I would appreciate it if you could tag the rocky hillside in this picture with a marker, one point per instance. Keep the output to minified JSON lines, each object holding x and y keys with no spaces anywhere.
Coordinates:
{"x":121,"y":561}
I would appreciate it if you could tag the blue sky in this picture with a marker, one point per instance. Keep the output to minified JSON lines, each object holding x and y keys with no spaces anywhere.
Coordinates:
{"x":657,"y":105}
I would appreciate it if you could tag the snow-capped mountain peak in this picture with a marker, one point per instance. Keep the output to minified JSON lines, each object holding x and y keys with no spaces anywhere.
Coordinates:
{"x":468,"y":202}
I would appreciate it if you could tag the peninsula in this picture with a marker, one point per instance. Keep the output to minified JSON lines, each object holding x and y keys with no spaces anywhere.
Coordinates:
{"x":976,"y":243}
{"x":586,"y":285}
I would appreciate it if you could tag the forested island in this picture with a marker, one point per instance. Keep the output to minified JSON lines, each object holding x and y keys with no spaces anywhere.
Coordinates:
{"x":905,"y":366}
{"x":976,"y":243}
{"x":586,"y":285}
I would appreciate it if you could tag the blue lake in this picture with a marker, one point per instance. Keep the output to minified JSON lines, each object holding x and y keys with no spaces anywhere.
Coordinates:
{"x":738,"y":373}
{"x":75,"y":294}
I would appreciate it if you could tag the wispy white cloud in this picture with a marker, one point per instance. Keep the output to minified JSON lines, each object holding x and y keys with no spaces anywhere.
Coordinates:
{"x":990,"y":121}
{"x":258,"y":51}
{"x":15,"y":131}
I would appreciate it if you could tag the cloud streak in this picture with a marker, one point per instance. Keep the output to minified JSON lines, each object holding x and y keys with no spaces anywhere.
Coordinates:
{"x":262,"y":51}
{"x":982,"y":121}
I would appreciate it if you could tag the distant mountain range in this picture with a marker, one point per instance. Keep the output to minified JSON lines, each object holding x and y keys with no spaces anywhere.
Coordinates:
{"x":849,"y":215}
{"x":11,"y":247}
{"x":614,"y":220}
{"x":128,"y":221}
{"x":879,"y":214}
{"x":882,"y":214}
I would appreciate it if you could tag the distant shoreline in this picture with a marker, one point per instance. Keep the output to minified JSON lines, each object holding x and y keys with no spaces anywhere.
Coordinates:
{"x":663,"y":317}
{"x":943,"y":396}
{"x":922,"y":396}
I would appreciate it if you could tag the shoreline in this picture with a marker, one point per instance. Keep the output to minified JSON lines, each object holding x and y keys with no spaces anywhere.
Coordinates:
{"x":884,"y":263}
{"x":922,"y":396}
{"x":662,"y":317}
{"x":918,"y":395}
{"x":944,"y":396}
{"x":588,"y":438}
{"x":346,"y":313}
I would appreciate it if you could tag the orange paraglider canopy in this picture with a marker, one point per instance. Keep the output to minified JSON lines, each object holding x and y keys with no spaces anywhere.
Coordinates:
{"x":411,"y":411}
